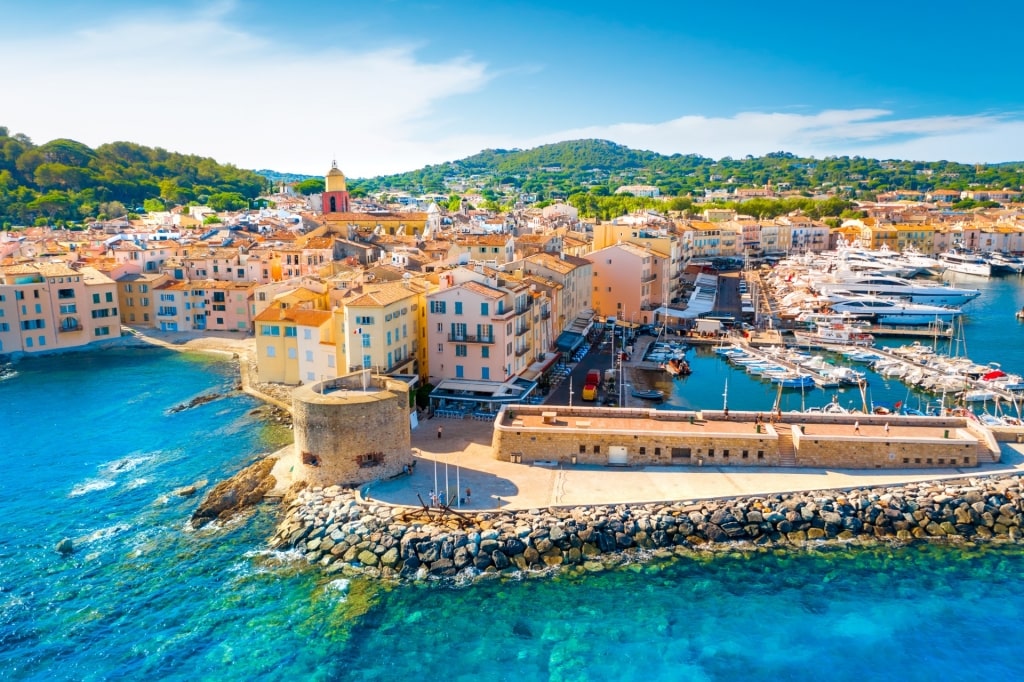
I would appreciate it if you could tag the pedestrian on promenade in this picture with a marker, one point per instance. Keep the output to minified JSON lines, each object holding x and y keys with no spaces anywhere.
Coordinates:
{"x":468,"y":493}
{"x":887,"y":428}
{"x":440,"y":430}
{"x":856,"y":427}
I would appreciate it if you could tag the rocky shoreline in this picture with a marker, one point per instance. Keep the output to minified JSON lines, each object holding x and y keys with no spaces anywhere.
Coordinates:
{"x":340,"y":532}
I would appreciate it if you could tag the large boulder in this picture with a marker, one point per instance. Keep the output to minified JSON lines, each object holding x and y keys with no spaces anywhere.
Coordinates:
{"x":243,"y":490}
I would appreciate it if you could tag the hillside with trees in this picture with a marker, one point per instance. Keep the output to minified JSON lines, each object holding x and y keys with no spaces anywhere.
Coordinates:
{"x":598,"y":167}
{"x":65,"y":182}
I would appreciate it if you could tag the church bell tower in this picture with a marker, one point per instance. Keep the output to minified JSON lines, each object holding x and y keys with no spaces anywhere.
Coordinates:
{"x":335,"y":197}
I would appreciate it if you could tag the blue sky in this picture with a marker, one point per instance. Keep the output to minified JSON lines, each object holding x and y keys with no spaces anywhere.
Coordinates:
{"x":387,"y":86}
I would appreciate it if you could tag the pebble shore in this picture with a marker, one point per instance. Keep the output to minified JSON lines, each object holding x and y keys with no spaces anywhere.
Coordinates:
{"x":341,"y":533}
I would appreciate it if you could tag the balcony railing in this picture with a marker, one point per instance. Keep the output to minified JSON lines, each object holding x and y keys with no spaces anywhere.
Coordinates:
{"x":545,"y":315}
{"x":520,"y":330}
{"x":70,"y":324}
{"x":522,"y":351}
{"x":649,"y":278}
{"x":467,"y":338}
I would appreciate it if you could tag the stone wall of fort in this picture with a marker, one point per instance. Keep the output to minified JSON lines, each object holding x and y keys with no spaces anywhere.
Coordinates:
{"x":348,"y":435}
{"x":638,"y":437}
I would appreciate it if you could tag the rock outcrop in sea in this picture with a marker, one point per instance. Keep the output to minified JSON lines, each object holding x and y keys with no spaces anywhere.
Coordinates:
{"x":246,"y":488}
{"x":338,"y":532}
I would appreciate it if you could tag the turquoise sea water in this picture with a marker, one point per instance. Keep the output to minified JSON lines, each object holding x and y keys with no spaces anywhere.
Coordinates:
{"x":89,"y":451}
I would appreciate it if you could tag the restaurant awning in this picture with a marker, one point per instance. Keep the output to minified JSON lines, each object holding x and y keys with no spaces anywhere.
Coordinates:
{"x":567,"y":342}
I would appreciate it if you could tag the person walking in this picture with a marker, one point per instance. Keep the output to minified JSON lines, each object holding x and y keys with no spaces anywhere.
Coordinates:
{"x":468,"y":493}
{"x":887,"y":428}
{"x":440,"y":430}
{"x":856,"y":427}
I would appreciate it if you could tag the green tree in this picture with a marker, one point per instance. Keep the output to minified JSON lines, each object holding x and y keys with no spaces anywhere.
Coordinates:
{"x":311,"y":186}
{"x":153,"y":205}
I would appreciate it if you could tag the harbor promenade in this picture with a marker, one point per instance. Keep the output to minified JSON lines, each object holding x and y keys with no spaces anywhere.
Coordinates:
{"x":463,"y":458}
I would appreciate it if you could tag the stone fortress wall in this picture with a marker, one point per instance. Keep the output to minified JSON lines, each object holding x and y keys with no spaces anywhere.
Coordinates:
{"x":351,"y":430}
{"x":647,"y":437}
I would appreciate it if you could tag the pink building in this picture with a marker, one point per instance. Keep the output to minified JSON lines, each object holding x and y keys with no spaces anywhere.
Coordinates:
{"x":622,"y":278}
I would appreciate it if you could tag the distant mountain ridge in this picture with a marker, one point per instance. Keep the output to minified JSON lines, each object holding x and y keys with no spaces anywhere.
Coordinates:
{"x":572,"y":166}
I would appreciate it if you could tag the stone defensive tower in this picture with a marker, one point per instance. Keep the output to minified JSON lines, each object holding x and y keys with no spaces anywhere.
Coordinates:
{"x":351,"y":430}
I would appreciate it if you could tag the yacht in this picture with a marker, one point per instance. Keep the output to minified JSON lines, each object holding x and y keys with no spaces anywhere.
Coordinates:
{"x":888,"y":311}
{"x":1004,"y":263}
{"x":890,"y":286}
{"x":827,"y":334}
{"x":965,"y":263}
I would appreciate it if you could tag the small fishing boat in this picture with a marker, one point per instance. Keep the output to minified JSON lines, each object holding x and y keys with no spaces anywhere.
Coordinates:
{"x":652,"y":394}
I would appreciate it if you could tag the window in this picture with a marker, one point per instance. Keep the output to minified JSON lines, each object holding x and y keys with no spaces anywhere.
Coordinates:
{"x":460,"y":350}
{"x":307,"y":334}
{"x":5,"y":327}
{"x":440,"y":348}
{"x":70,"y":293}
{"x":405,"y":331}
{"x":270,"y":330}
{"x":597,"y":449}
{"x":484,"y":308}
{"x":19,"y":295}
{"x":102,"y":331}
{"x":330,"y":361}
{"x":291,"y":331}
{"x":367,"y":361}
{"x":96,"y":298}
{"x":643,"y":450}
{"x":366,"y":342}
{"x":485,"y":351}
{"x":458,"y":307}
{"x":583,"y":449}
{"x":387,"y":338}
{"x":143,"y":288}
{"x":271,"y":351}
{"x":66,"y":309}
{"x":39,"y":308}
{"x":28,"y":341}
{"x":364,"y":319}
{"x":485,"y":373}
{"x":292,"y":354}
{"x":437,"y":307}
{"x":110,"y":297}
{"x":458,"y":371}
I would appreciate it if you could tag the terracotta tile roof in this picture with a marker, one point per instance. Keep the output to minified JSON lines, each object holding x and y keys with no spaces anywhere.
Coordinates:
{"x":483,"y":290}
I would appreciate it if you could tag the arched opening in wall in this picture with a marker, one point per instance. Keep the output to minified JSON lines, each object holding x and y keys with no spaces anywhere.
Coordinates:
{"x":334,"y":204}
{"x":309,"y":459}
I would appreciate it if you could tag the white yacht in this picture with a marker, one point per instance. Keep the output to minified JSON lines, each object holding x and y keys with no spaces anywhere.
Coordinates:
{"x":888,"y":311}
{"x":1004,"y":263}
{"x":890,"y":286}
{"x":965,"y":263}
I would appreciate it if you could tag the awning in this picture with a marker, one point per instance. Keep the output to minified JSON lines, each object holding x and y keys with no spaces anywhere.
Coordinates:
{"x":567,"y":342}
{"x":538,"y":368}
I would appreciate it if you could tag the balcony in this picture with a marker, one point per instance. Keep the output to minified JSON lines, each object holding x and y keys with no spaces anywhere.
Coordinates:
{"x":520,"y":309}
{"x":466,"y":338}
{"x":70,"y":324}
{"x":545,"y":315}
{"x":522,"y":329}
{"x":523,"y":351}
{"x":648,"y":279}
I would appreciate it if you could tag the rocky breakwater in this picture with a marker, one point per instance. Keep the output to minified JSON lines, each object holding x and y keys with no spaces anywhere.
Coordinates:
{"x":338,"y":532}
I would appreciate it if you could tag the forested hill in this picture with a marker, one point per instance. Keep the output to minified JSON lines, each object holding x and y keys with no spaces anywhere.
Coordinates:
{"x":569,"y":167}
{"x":67,"y":182}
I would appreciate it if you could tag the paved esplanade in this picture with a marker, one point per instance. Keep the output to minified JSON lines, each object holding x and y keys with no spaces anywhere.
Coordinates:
{"x":466,"y":449}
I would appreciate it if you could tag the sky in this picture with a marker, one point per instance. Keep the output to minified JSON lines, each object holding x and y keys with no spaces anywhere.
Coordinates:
{"x":386,"y":86}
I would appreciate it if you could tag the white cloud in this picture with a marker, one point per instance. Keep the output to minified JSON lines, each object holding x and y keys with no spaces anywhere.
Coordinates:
{"x":196,"y":84}
{"x":867,"y":132}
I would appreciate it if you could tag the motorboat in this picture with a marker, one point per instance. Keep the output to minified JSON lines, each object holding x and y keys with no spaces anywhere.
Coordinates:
{"x":966,"y":263}
{"x":1003,"y":263}
{"x":888,"y":311}
{"x":890,"y":286}
{"x":652,"y":394}
{"x":833,"y":334}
